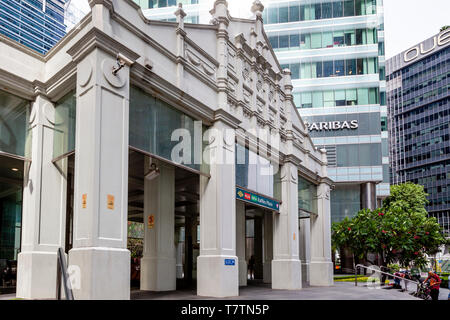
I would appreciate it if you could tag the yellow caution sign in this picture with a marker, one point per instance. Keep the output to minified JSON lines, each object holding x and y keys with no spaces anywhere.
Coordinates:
{"x":110,"y":201}
{"x":84,"y":201}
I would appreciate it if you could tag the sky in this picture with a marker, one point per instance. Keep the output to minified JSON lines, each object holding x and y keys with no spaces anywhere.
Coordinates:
{"x":409,"y":22}
{"x":406,"y":22}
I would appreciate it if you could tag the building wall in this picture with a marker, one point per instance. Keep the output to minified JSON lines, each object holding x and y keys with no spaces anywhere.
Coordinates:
{"x":419,"y":116}
{"x":223,"y":74}
{"x":335,"y":51}
{"x":37,"y":24}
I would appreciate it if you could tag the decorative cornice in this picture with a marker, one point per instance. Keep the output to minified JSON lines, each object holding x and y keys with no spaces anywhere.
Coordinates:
{"x":107,"y":3}
{"x":292,"y":158}
{"x":226,"y":117}
{"x":96,"y":38}
{"x":327,"y":181}
{"x":16,"y":85}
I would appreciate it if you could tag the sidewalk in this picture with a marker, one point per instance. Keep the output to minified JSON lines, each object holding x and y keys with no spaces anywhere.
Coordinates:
{"x":340,"y":291}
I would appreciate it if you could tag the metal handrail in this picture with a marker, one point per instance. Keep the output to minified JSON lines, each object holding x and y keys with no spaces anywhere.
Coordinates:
{"x":61,"y":272}
{"x":389,"y":274}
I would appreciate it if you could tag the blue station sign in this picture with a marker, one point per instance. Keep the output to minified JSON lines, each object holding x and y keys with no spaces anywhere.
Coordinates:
{"x":257,"y":199}
{"x":230,"y":262}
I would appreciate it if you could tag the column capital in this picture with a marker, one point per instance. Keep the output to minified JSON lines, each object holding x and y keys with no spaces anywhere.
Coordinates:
{"x":289,"y":173}
{"x":42,"y":112}
{"x":323,"y":191}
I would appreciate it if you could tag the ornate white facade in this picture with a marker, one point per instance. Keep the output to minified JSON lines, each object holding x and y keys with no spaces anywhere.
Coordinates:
{"x":224,"y":74}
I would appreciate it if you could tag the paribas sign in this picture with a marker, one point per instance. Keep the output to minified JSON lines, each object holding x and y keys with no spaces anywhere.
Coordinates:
{"x":438,"y":41}
{"x":332,"y":125}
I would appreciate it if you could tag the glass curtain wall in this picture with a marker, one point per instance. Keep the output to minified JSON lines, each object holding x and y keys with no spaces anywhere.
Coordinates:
{"x":316,"y":10}
{"x":345,"y":202}
{"x":332,"y":68}
{"x":255,"y":173}
{"x":14,"y":115}
{"x":157,"y":127}
{"x":307,"y":196}
{"x":14,"y":148}
{"x":65,"y":121}
{"x":336,"y":98}
{"x":150,"y":4}
{"x":296,"y":40}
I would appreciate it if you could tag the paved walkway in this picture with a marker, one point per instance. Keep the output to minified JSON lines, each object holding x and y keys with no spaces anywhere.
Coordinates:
{"x":340,"y":291}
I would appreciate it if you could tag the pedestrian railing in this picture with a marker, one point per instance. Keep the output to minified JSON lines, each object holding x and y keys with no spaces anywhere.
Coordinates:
{"x":62,"y":274}
{"x":377,"y":270}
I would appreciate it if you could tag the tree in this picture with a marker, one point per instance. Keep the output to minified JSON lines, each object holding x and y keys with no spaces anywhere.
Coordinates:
{"x":444,"y":28}
{"x":400,"y":231}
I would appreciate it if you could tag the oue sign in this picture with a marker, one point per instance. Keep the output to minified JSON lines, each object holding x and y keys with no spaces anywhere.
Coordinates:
{"x":438,"y":41}
{"x":332,"y":125}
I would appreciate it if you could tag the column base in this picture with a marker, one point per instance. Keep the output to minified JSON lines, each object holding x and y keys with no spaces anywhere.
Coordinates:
{"x":267,"y":272}
{"x":286,"y":274}
{"x":158,"y":274}
{"x":215,"y":279}
{"x":321,"y":273}
{"x":36,"y":275}
{"x":243,"y":272}
{"x":305,"y":274}
{"x":104,"y":273}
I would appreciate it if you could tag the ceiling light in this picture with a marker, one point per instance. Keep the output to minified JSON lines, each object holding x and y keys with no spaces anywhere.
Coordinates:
{"x":14,"y":169}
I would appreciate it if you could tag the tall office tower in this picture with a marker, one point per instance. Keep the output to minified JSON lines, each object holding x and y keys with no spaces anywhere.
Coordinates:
{"x":197,"y":11}
{"x":335,"y":51}
{"x":37,"y":24}
{"x":418,"y":99}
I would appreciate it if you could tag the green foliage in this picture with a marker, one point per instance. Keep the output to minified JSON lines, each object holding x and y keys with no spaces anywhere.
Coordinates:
{"x":444,"y":28}
{"x":394,"y":267}
{"x":400,"y":231}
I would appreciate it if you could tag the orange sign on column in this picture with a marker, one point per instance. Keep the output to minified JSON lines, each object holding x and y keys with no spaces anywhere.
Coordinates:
{"x":110,"y":202}
{"x":84,"y":201}
{"x":151,"y":221}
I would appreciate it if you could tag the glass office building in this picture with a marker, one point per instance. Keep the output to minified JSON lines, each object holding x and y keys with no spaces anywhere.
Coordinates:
{"x":335,"y":51}
{"x":37,"y":24}
{"x":418,"y":95}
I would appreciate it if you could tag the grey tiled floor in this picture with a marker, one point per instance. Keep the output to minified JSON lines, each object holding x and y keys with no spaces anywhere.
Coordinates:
{"x":340,"y":291}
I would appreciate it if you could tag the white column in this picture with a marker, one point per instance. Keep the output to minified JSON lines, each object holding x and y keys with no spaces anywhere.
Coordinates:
{"x":305,"y":252}
{"x":321,"y":266}
{"x":158,"y":264}
{"x":286,"y":266}
{"x":268,"y":247}
{"x":240,"y":242}
{"x":217,"y":265}
{"x":44,"y":209}
{"x":101,"y":179}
